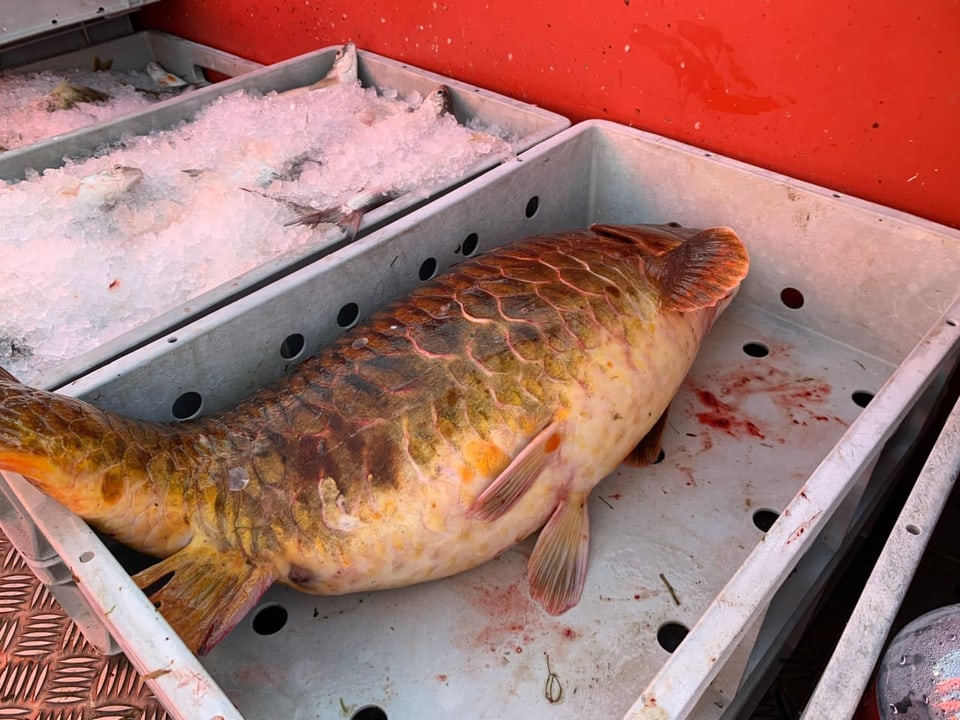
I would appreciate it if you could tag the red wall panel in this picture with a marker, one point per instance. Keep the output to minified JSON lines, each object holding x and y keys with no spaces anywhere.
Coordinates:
{"x":860,"y":97}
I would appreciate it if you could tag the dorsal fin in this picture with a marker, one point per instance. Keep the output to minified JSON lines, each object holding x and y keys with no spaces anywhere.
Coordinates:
{"x":7,"y":375}
{"x":700,"y":272}
{"x":655,"y":239}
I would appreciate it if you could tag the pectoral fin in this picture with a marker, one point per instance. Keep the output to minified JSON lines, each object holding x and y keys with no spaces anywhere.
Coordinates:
{"x":648,"y":449}
{"x":518,"y":476}
{"x":558,"y":565}
{"x":208,"y":592}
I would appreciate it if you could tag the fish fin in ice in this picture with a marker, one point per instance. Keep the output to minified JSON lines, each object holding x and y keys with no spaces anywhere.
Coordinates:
{"x":348,"y":216}
{"x":558,"y":565}
{"x":700,"y":272}
{"x":207,"y":591}
{"x":518,"y":476}
{"x":648,"y":449}
{"x":345,"y":218}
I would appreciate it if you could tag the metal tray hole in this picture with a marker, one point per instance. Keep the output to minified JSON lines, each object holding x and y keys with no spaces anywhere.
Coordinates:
{"x":428,"y":268}
{"x":951,"y":322}
{"x":187,"y":405}
{"x":369,"y":712}
{"x":270,"y":619}
{"x":862,"y":397}
{"x":756,"y":349}
{"x":765,"y":518}
{"x":291,"y":346}
{"x":792,"y":298}
{"x":533,"y":204}
{"x":87,"y":556}
{"x":469,"y":245}
{"x":670,"y":635}
{"x":913,"y":529}
{"x":348,"y":315}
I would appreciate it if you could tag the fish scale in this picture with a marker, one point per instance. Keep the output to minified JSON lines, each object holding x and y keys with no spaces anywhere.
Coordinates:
{"x":423,"y":442}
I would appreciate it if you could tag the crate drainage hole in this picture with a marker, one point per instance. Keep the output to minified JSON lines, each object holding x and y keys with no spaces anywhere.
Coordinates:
{"x":670,"y":635}
{"x":792,"y":298}
{"x":187,"y":405}
{"x":951,"y":322}
{"x":764,"y":519}
{"x":912,"y":529}
{"x":369,"y":712}
{"x":532,"y":205}
{"x":348,"y":315}
{"x":756,"y":349}
{"x":269,"y":620}
{"x":862,"y":397}
{"x":87,"y":556}
{"x":291,"y":346}
{"x":469,"y":245}
{"x":428,"y":268}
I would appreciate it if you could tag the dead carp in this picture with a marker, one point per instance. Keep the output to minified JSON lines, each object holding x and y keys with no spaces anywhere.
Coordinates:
{"x":429,"y":439}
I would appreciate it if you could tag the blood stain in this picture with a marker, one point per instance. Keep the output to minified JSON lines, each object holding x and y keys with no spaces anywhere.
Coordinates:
{"x":442,"y":678}
{"x":722,"y":416}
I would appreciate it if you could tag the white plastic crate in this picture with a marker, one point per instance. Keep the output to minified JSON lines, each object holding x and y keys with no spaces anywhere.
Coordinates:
{"x":768,"y":423}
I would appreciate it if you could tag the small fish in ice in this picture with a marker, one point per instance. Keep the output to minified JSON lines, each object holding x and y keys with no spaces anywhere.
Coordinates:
{"x":165,"y":80}
{"x":343,"y":71}
{"x":348,"y":215}
{"x":106,"y":188}
{"x":483,"y":407}
{"x":65,"y":96}
{"x":438,"y":102}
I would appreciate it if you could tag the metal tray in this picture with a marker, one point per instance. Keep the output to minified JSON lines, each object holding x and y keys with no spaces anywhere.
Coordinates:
{"x":752,"y":437}
{"x":526,"y":123}
{"x":26,"y":20}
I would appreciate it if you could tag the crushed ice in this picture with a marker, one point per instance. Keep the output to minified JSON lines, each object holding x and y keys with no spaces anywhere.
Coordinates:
{"x":98,"y":247}
{"x":27,"y":116}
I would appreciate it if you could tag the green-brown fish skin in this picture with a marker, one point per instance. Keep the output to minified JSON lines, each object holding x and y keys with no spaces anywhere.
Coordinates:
{"x":451,"y":425}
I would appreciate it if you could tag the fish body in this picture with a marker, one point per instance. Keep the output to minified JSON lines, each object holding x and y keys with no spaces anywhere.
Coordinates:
{"x":65,"y":96}
{"x":423,"y":442}
{"x":107,"y":187}
{"x":162,"y":78}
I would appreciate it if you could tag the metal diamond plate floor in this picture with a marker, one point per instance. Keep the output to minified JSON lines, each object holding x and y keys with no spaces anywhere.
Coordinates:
{"x":47,"y":670}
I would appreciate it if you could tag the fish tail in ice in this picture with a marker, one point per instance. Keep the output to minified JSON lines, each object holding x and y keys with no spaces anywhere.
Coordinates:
{"x":348,"y":215}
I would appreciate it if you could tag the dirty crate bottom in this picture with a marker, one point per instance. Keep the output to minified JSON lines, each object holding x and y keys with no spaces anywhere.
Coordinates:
{"x":765,"y":401}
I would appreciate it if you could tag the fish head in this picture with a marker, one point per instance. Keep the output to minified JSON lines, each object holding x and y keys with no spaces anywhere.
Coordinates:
{"x":439,"y":101}
{"x":345,"y":65}
{"x":105,"y":188}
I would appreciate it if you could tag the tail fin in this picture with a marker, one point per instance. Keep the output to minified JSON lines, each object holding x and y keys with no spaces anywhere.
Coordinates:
{"x":348,"y":215}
